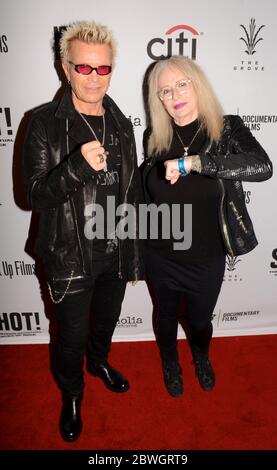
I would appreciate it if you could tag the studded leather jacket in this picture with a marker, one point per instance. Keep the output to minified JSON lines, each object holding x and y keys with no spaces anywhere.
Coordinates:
{"x":60,"y":184}
{"x":236,"y":157}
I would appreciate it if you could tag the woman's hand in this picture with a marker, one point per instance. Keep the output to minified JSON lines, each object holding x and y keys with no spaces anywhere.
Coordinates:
{"x":172,"y":172}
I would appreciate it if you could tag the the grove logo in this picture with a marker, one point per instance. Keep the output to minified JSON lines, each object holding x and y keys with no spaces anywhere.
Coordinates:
{"x":231,"y":262}
{"x":251,"y":37}
{"x":180,"y":39}
{"x":231,"y":266}
{"x":251,"y":40}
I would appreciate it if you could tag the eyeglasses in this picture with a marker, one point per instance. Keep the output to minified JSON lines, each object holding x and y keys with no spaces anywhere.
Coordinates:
{"x":182,"y":86}
{"x":85,"y":69}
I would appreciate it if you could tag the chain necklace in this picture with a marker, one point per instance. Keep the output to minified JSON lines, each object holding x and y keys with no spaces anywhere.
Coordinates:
{"x":92,"y":131}
{"x":186,"y":148}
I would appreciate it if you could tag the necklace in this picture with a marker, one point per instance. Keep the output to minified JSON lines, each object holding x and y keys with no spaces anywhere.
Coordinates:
{"x":92,"y":131}
{"x":186,"y":148}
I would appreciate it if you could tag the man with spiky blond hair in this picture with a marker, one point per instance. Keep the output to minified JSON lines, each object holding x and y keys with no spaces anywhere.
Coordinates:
{"x":80,"y":155}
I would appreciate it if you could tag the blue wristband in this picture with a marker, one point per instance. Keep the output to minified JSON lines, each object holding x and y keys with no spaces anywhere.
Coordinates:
{"x":181,"y":166}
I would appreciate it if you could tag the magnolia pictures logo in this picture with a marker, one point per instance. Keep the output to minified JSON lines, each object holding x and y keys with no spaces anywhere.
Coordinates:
{"x":273,"y":263}
{"x":251,"y":39}
{"x":129,"y":322}
{"x":231,"y":271}
{"x":6,"y":130}
{"x":180,"y":39}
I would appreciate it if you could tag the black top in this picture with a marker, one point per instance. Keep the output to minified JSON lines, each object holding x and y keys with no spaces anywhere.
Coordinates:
{"x":107,"y":185}
{"x":200,"y":191}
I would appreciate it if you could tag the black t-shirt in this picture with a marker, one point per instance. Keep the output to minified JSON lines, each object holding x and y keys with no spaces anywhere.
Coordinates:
{"x":200,"y":191}
{"x":107,"y":186}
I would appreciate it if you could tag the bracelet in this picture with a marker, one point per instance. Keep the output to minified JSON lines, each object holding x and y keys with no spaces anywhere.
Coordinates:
{"x":181,"y":166}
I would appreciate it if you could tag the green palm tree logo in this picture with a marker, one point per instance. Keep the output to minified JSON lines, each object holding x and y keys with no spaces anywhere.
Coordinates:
{"x":251,"y":40}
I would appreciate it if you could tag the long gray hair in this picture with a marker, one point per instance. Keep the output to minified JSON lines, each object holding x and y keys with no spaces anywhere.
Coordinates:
{"x":210,"y":112}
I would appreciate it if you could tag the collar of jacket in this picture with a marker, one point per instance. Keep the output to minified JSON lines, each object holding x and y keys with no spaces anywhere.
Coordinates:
{"x":65,"y":110}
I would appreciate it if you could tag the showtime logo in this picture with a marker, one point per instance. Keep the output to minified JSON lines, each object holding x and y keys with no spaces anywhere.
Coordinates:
{"x":180,"y":40}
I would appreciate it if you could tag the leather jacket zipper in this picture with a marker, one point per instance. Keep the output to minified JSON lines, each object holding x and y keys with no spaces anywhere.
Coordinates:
{"x":119,"y":249}
{"x":119,"y":261}
{"x":78,"y":236}
{"x":94,"y":190}
{"x":238,"y":216}
{"x":221,"y":213}
{"x":72,"y":204}
{"x":223,"y":221}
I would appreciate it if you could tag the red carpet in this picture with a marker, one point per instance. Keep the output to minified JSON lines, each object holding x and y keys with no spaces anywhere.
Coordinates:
{"x":241,"y":412}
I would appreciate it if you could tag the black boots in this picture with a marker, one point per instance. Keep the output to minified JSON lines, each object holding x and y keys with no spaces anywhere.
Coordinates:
{"x":172,"y":372}
{"x":203,"y":369}
{"x":173,"y":378}
{"x":111,"y":377}
{"x":70,"y":419}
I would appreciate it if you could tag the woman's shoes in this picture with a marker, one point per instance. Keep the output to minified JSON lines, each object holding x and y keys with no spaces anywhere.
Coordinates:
{"x":204,"y":371}
{"x":173,"y":378}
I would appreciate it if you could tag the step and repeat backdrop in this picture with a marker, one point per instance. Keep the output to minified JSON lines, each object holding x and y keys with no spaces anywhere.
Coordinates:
{"x":235,"y":43}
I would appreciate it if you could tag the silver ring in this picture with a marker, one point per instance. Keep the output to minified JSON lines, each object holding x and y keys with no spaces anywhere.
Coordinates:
{"x":101,"y":158}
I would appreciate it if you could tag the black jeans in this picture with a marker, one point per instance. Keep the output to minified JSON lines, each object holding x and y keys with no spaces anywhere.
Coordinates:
{"x":198,"y":285}
{"x":79,"y":331}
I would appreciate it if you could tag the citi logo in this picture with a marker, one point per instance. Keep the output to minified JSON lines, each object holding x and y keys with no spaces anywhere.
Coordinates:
{"x":183,"y":44}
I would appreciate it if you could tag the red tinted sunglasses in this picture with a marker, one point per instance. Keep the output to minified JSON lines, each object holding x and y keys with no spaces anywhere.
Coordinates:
{"x":85,"y":69}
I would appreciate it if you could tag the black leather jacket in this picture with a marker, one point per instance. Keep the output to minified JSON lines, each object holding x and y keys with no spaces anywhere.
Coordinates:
{"x":236,"y":157}
{"x":60,"y":184}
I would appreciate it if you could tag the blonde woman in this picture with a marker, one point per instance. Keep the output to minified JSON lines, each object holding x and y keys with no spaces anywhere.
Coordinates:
{"x":195,"y":157}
